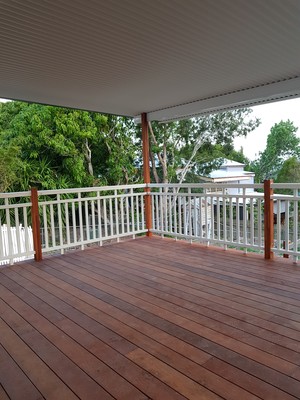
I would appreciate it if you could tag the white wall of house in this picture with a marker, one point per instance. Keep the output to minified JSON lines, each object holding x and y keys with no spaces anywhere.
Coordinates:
{"x":231,"y":172}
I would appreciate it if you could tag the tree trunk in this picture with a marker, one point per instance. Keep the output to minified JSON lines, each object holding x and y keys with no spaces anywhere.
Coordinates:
{"x":153,"y":166}
{"x":164,"y":165}
{"x":88,"y":158}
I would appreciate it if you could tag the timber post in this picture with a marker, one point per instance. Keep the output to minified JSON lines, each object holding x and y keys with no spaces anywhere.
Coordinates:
{"x":268,"y":219}
{"x":146,"y":172}
{"x":37,"y":245}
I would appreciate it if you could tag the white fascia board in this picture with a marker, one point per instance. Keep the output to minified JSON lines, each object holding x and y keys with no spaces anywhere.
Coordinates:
{"x":266,"y":93}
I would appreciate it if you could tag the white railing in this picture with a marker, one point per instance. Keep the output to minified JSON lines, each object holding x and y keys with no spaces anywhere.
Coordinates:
{"x":199,"y":212}
{"x":286,"y":219}
{"x":15,"y":227}
{"x":78,"y":217}
{"x":228,"y":215}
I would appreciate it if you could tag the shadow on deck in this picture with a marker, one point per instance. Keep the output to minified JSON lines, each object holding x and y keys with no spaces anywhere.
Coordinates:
{"x":150,"y":318}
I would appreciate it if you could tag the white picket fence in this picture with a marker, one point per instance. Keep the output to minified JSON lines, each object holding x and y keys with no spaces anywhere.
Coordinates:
{"x":16,"y":244}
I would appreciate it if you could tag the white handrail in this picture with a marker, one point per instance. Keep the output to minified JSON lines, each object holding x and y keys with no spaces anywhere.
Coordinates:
{"x":223,"y":214}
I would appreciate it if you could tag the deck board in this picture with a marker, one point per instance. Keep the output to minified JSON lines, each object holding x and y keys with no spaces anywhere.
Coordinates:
{"x":151,"y":319}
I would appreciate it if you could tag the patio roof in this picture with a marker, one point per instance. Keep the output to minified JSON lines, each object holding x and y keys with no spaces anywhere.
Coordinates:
{"x":169,"y":59}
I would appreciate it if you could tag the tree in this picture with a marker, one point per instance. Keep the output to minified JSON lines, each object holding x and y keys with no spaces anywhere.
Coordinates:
{"x":289,"y":172}
{"x":116,"y":150}
{"x":9,"y":167}
{"x":282,"y":144}
{"x":60,"y":147}
{"x":206,"y":138}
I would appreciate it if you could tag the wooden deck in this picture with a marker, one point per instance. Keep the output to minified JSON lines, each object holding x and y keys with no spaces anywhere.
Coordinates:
{"x":150,"y":319}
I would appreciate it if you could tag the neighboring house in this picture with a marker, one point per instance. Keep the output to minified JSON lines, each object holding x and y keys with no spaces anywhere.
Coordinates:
{"x":230,"y":172}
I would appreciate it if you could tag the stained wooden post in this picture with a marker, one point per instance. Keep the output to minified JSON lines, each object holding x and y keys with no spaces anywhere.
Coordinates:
{"x":37,"y":244}
{"x":146,"y":171}
{"x":269,"y":219}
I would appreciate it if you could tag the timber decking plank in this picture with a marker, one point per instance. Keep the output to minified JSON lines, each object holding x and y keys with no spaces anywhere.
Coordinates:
{"x":198,"y":373}
{"x":186,"y":386}
{"x":184,"y":323}
{"x":257,"y":308}
{"x":105,"y":274}
{"x":290,"y":294}
{"x":224,"y":259}
{"x":110,"y":278}
{"x":14,"y":383}
{"x":294,"y":335}
{"x":4,"y":395}
{"x":127,"y":317}
{"x":129,"y":370}
{"x":68,"y":371}
{"x":256,"y":341}
{"x":38,"y":372}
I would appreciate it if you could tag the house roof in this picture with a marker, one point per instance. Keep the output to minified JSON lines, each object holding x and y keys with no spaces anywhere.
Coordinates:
{"x":170,"y":59}
{"x":228,"y":172}
{"x":230,"y":163}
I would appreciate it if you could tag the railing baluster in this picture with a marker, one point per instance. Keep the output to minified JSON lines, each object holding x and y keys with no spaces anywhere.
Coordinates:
{"x":245,"y":217}
{"x":87,"y":219}
{"x":251,"y":222}
{"x":132,"y":213}
{"x":105,"y":218}
{"x":161,"y":211}
{"x":137,"y":213}
{"x":61,"y":240}
{"x":80,"y":221}
{"x":238,"y":237}
{"x":93,"y":219}
{"x":142,"y":206}
{"x":279,"y":226}
{"x":224,"y":218}
{"x":231,"y":220}
{"x":116,"y":215}
{"x":74,"y":223}
{"x":111,"y":217}
{"x":295,"y":227}
{"x":218,"y":218}
{"x":127,"y":214}
{"x":259,"y":223}
{"x":67,"y":222}
{"x":180,"y":214}
{"x":122,"y":214}
{"x":99,"y":219}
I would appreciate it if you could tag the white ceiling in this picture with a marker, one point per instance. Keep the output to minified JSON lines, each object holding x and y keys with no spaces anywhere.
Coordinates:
{"x":169,"y":58}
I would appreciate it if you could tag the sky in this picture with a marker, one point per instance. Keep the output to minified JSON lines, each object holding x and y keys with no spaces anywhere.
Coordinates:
{"x":269,"y":114}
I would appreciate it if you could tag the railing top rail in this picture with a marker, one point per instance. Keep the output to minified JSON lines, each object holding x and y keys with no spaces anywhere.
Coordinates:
{"x":91,"y":189}
{"x":285,"y":185}
{"x":15,"y":194}
{"x":206,"y":185}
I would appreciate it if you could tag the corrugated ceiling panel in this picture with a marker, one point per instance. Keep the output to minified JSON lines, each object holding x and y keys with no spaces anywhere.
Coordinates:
{"x":127,"y":57}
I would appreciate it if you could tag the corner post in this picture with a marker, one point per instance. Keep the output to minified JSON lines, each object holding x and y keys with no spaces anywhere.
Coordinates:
{"x":146,"y":172}
{"x":37,"y":245}
{"x":269,"y":219}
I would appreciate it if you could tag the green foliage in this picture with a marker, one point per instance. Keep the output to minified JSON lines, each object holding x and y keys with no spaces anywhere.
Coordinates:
{"x":282,"y":144}
{"x":117,"y":139}
{"x":9,"y":167}
{"x":290,"y":171}
{"x":61,"y":148}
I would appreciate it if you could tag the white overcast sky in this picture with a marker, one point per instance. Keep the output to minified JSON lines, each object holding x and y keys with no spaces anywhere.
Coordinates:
{"x":269,"y":114}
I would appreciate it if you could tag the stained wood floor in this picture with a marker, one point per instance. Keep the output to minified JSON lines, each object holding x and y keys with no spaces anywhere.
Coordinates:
{"x":150,"y":319}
